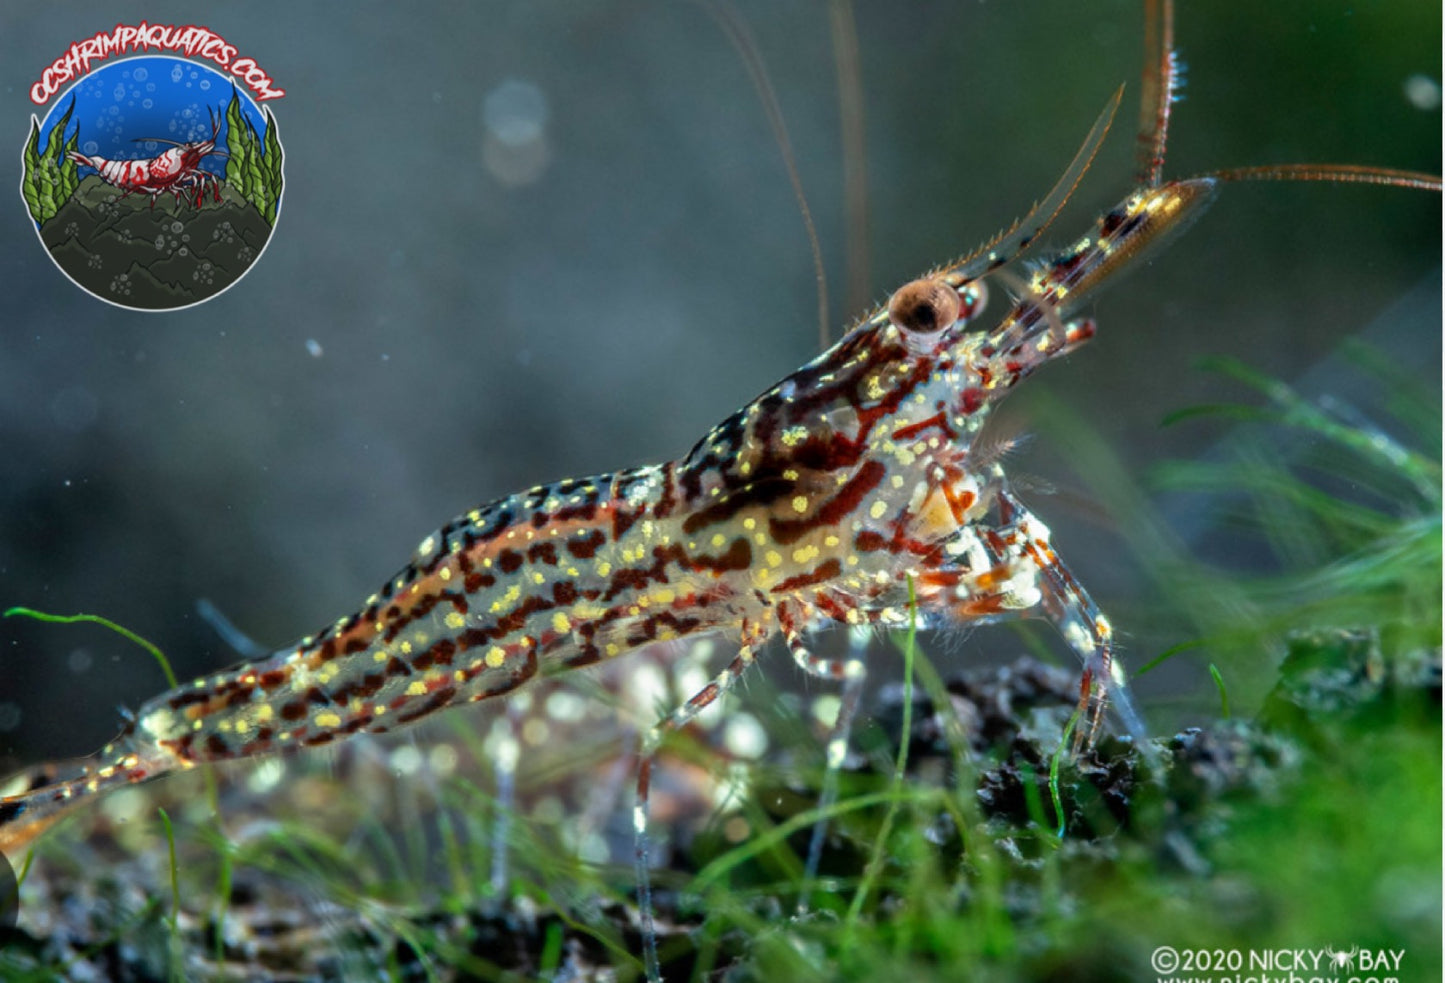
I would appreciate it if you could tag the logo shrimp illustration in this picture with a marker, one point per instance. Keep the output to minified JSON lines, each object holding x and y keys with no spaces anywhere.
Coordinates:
{"x":177,"y":170}
{"x":154,"y":183}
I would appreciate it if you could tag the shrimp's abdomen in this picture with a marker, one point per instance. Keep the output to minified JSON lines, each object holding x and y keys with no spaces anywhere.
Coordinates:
{"x":554,"y":578}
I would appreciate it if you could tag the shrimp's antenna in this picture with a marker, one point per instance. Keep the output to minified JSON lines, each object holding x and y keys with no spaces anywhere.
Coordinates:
{"x":747,"y":47}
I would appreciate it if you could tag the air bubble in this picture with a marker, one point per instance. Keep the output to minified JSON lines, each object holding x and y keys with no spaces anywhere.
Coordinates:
{"x":443,"y":759}
{"x":406,"y":760}
{"x":515,"y":112}
{"x":514,"y":145}
{"x":266,"y":776}
{"x":1422,"y":92}
{"x":744,"y":737}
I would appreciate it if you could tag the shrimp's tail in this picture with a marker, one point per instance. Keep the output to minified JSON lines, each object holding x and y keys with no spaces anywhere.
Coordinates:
{"x":40,"y":796}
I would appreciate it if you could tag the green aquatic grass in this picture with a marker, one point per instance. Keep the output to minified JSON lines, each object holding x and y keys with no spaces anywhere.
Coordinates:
{"x":900,"y":767}
{"x":1218,"y":678}
{"x":253,"y":162}
{"x":49,"y":176}
{"x":177,"y":960}
{"x":95,"y":619}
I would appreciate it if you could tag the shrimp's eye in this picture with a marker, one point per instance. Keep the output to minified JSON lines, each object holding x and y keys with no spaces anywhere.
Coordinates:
{"x":923,"y":307}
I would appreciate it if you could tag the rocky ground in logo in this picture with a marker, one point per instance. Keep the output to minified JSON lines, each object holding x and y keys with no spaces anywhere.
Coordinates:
{"x":156,"y":253}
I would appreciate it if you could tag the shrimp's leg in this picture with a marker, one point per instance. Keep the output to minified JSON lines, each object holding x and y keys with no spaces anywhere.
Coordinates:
{"x":753,"y":635}
{"x":507,"y":734}
{"x":1013,"y":572}
{"x":1076,"y":616}
{"x":850,"y":674}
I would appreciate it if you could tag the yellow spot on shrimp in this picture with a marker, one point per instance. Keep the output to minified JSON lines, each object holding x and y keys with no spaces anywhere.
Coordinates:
{"x":328,"y":719}
{"x":455,"y":620}
{"x":496,"y":655}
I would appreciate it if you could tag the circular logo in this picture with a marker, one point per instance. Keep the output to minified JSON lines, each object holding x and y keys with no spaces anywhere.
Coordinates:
{"x":154,"y":183}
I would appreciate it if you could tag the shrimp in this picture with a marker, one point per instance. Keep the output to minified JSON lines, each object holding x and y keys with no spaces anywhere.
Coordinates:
{"x":855,"y":491}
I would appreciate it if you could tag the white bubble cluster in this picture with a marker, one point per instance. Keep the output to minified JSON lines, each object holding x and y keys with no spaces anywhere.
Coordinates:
{"x":514,"y":132}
